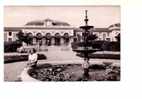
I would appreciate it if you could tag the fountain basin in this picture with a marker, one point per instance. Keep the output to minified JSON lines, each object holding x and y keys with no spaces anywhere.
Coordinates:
{"x":85,"y":50}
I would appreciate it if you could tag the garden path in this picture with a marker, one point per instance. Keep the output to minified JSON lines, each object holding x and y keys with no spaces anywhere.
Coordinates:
{"x":55,"y":54}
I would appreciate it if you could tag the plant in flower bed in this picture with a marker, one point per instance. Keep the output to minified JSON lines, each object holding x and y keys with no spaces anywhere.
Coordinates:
{"x":48,"y":72}
{"x":105,"y":72}
{"x":74,"y":72}
{"x":112,"y":73}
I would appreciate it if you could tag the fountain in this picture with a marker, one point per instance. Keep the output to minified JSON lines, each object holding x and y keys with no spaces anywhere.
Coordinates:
{"x":86,"y":49}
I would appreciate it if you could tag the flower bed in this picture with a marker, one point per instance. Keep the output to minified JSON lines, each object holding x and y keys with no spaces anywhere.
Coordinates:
{"x":17,"y":58}
{"x":73,"y":72}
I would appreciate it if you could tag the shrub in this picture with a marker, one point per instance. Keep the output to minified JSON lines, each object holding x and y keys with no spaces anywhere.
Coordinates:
{"x":102,"y":45}
{"x":11,"y":46}
{"x":17,"y":58}
{"x":114,"y":46}
{"x":102,"y":56}
{"x":106,"y":46}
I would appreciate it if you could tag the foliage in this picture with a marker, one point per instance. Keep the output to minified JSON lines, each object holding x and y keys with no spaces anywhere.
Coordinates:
{"x":24,"y":37}
{"x":11,"y":46}
{"x":102,"y":56}
{"x":17,"y":58}
{"x":102,"y":45}
{"x":118,"y":38}
{"x":92,"y":37}
{"x":63,"y":72}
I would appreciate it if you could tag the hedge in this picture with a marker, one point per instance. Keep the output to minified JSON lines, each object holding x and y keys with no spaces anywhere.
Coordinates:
{"x":102,"y":56}
{"x":102,"y":45}
{"x":11,"y":46}
{"x":18,"y":58}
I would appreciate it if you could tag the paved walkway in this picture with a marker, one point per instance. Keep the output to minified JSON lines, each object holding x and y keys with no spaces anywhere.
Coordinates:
{"x":56,"y":55}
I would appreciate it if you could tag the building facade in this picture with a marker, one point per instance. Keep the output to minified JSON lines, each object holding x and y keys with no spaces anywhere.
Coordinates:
{"x":46,"y":32}
{"x":51,"y":32}
{"x":114,"y":31}
{"x":103,"y":34}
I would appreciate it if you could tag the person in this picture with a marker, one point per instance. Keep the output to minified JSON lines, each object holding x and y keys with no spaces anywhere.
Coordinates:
{"x":32,"y":58}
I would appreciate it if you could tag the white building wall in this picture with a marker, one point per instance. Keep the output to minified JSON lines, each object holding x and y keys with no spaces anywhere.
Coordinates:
{"x":5,"y":36}
{"x":8,"y":36}
{"x":52,"y":31}
{"x":14,"y":36}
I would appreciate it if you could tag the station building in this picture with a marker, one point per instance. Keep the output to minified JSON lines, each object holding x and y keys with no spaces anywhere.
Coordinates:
{"x":52,"y":32}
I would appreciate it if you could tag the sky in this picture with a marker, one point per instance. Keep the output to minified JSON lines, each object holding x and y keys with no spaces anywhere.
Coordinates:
{"x":99,"y":16}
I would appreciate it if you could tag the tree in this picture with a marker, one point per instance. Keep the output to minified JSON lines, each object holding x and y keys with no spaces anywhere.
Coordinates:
{"x":20,"y":36}
{"x":118,"y":38}
{"x":24,"y":37}
{"x":118,"y":41}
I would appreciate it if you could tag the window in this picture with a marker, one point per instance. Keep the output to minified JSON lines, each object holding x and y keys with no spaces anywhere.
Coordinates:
{"x":48,"y":35}
{"x":10,"y":33}
{"x":9,"y":39}
{"x":66,"y":34}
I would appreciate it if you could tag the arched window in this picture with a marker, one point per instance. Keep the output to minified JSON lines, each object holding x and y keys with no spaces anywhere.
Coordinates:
{"x":57,"y":35}
{"x":66,"y":38}
{"x":39,"y":36}
{"x":10,"y":33}
{"x":57,"y":39}
{"x":48,"y":38}
{"x":66,"y":34}
{"x":48,"y":35}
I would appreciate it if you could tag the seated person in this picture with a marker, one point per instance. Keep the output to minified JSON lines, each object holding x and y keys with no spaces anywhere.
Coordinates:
{"x":32,"y":58}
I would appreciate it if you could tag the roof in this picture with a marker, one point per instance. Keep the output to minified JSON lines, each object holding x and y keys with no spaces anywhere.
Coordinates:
{"x":75,"y":29}
{"x":101,"y":30}
{"x":41,"y":22}
{"x":35,"y":22}
{"x":115,"y":26}
{"x":12,"y":28}
{"x":20,"y":28}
